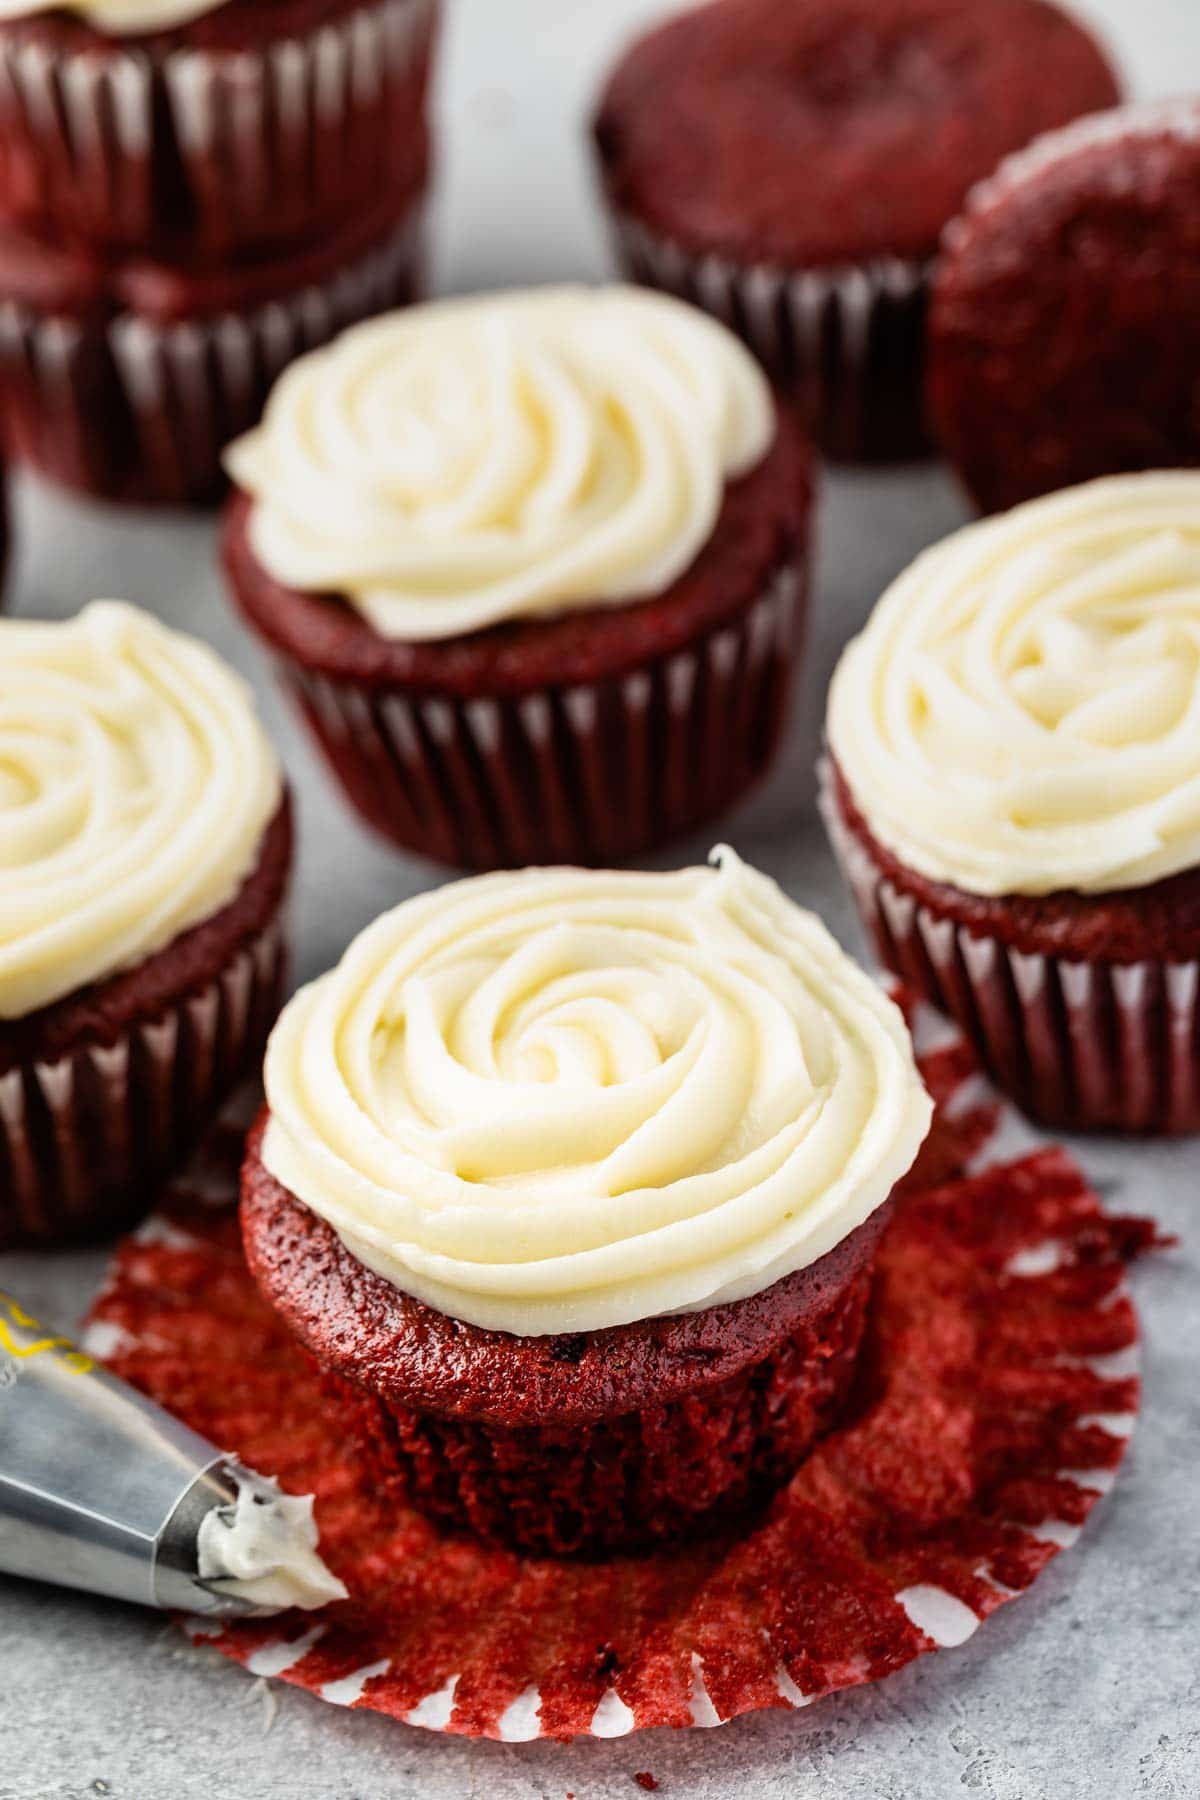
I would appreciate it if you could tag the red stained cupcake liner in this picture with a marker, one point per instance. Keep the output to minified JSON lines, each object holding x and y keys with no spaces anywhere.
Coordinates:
{"x":130,"y":409}
{"x":86,"y":1140}
{"x":997,"y":1395}
{"x":591,"y":773}
{"x":136,"y":147}
{"x":848,"y":342}
{"x":1082,"y":1046}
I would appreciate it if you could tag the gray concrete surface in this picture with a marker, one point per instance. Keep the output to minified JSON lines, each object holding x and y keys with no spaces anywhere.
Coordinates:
{"x":1088,"y":1686}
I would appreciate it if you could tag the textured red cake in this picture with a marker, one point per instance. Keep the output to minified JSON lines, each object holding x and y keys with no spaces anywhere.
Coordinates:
{"x":560,"y":1445}
{"x":1080,"y":1015}
{"x":251,"y":126}
{"x":582,"y":738}
{"x":126,"y":378}
{"x":1065,"y":320}
{"x":103,"y":1091}
{"x":790,"y":165}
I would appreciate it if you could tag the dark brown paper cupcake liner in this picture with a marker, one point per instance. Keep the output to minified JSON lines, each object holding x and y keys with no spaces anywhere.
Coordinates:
{"x":848,"y":342}
{"x":1083,"y":1046}
{"x":129,"y":409}
{"x":591,"y":773}
{"x":132,"y":147}
{"x":86,"y":1140}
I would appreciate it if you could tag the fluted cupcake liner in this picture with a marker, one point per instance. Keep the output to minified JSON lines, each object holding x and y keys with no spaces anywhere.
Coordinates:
{"x":1001,"y":1306}
{"x":848,"y":341}
{"x":1083,"y":1046}
{"x":130,"y":147}
{"x":130,"y":409}
{"x":590,"y":773}
{"x":86,"y":1140}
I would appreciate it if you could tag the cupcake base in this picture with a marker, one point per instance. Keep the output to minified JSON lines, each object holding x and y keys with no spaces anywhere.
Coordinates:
{"x":997,"y":1397}
{"x":592,"y":1443}
{"x":246,"y":129}
{"x":103,"y":1093}
{"x":1083,"y":1042}
{"x":128,"y":385}
{"x":848,"y":343}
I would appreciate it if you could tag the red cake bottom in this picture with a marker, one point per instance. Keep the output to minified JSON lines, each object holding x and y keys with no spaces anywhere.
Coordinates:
{"x":995,"y":1401}
{"x":127,"y":380}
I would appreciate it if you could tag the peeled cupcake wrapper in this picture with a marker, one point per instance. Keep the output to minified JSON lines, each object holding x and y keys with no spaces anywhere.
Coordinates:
{"x":132,"y":409}
{"x":1000,"y":1305}
{"x":848,"y":339}
{"x":85,"y":1140}
{"x":587,"y":773}
{"x":1080,"y":1045}
{"x":271,"y":141}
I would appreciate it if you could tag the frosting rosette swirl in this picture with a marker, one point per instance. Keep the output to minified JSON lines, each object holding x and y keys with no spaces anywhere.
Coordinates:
{"x":559,"y":1100}
{"x":471,"y":461}
{"x":135,"y":787}
{"x":117,"y":18}
{"x":1021,"y":714}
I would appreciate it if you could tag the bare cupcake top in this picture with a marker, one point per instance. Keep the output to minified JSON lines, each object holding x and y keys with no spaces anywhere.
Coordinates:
{"x":1022,"y":713}
{"x":560,"y":1100}
{"x":117,"y":18}
{"x":135,"y":786}
{"x":472,"y":461}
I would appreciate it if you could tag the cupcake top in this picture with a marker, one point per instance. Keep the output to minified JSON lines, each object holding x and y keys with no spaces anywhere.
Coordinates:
{"x":135,"y":786}
{"x":820,"y":132}
{"x":1021,"y":714}
{"x":468,"y":462}
{"x":561,"y":1100}
{"x":116,"y":18}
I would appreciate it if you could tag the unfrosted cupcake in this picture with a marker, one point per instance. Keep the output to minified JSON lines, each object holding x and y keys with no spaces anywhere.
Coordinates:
{"x":790,"y":165}
{"x":534,"y":565}
{"x":572,"y":1182}
{"x":1064,"y":336}
{"x":145,"y":844}
{"x":1014,"y":792}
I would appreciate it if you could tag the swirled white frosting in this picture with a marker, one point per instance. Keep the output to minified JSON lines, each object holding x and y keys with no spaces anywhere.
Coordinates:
{"x":470,"y":461}
{"x":559,"y":1100}
{"x":1022,"y":712}
{"x":117,"y":18}
{"x":135,"y":786}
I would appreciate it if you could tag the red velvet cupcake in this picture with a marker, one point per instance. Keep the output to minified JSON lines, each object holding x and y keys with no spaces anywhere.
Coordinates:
{"x":145,"y":839}
{"x":185,"y":128}
{"x":572,"y":1184}
{"x":1014,"y":793}
{"x":1065,"y":321}
{"x":790,"y":165}
{"x":127,"y":379}
{"x":534,"y":567}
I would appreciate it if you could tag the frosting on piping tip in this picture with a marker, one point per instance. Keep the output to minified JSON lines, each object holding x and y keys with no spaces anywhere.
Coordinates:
{"x":1021,"y":714}
{"x":466,"y":462}
{"x":263,"y":1549}
{"x":560,"y":1099}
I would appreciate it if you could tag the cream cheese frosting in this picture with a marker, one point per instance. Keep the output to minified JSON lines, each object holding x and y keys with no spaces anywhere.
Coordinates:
{"x":1022,"y":712}
{"x":502,"y":457}
{"x":263,"y":1548}
{"x":135,"y":786}
{"x":117,"y":18}
{"x":558,"y":1100}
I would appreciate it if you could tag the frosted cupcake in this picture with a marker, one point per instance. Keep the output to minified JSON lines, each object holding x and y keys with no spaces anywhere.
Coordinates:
{"x":534,"y":566}
{"x":145,"y":843}
{"x":573,"y":1182}
{"x":1014,"y":791}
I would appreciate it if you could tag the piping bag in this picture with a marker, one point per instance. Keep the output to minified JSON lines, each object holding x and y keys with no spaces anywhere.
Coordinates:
{"x":100,"y":1489}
